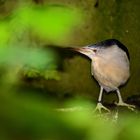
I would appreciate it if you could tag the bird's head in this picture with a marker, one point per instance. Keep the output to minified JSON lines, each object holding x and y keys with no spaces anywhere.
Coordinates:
{"x":106,"y":48}
{"x":88,"y":51}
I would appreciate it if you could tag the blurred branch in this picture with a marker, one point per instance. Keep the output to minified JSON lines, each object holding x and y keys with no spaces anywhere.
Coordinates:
{"x":72,"y":109}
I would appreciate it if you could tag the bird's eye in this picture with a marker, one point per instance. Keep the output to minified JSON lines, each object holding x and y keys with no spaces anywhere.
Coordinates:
{"x":94,"y":51}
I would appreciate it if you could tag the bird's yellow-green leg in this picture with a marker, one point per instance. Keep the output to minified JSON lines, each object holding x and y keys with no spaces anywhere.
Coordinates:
{"x":122,"y":103}
{"x":99,"y":106}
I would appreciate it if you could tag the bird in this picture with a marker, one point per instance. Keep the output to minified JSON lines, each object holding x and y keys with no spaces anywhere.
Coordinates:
{"x":110,"y":66}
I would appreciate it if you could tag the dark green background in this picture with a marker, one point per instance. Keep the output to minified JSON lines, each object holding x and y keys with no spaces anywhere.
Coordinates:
{"x":111,"y":19}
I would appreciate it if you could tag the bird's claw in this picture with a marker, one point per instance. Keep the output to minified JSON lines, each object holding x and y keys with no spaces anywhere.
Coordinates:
{"x":99,"y":108}
{"x":129,"y":106}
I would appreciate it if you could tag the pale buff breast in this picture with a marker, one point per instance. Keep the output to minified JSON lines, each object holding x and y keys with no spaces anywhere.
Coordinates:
{"x":111,"y":71}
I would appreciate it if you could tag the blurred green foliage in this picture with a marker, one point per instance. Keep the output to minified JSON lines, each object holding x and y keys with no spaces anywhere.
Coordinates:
{"x":53,"y":22}
{"x":4,"y":33}
{"x":30,"y":116}
{"x":17,"y":32}
{"x":23,"y":56}
{"x":35,"y":118}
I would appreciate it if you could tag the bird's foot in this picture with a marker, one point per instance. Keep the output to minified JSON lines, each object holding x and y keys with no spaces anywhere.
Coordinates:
{"x":129,"y":106}
{"x":99,"y":108}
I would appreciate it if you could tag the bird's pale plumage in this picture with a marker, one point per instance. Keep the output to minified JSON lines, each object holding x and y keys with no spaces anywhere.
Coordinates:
{"x":109,"y":66}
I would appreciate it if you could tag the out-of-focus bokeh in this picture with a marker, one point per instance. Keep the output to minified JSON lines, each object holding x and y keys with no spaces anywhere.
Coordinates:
{"x":47,"y":92}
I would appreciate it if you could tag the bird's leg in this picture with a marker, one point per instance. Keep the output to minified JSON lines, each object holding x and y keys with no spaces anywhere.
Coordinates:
{"x":99,"y":106}
{"x":122,"y":103}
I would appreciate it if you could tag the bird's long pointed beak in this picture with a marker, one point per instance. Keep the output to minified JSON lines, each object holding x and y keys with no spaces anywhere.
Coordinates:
{"x":83,"y":50}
